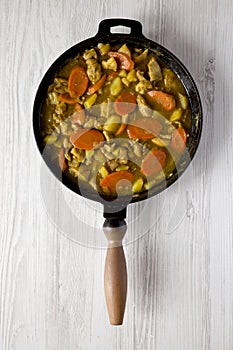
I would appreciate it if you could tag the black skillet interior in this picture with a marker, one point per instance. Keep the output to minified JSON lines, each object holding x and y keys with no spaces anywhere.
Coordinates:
{"x":137,"y":39}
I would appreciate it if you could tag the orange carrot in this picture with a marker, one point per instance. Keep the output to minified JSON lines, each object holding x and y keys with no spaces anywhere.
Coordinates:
{"x":67,"y":99}
{"x":78,"y":116}
{"x":144,"y":128}
{"x":111,"y":76}
{"x":86,"y":138}
{"x":121,"y":129}
{"x":179,"y":139}
{"x":62,"y":160}
{"x":125,"y":103}
{"x":95,"y":87}
{"x":123,"y":60}
{"x":162,"y":99}
{"x":78,"y":82}
{"x":111,"y":180}
{"x":153,"y":162}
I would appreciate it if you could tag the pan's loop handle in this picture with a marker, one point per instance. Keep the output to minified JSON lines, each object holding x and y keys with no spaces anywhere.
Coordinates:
{"x":106,"y":25}
{"x":115,"y":275}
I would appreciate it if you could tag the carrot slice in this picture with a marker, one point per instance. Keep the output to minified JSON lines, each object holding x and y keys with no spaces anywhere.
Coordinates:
{"x":111,"y":76}
{"x":67,"y":99}
{"x":144,"y":128}
{"x":86,"y":138}
{"x":179,"y":139}
{"x":153,"y":162}
{"x":121,"y":129}
{"x":62,"y":160}
{"x":95,"y":87}
{"x":123,"y":60}
{"x":111,"y":180}
{"x":163,"y":100}
{"x":78,"y":82}
{"x":125,"y":103}
{"x":79,"y":115}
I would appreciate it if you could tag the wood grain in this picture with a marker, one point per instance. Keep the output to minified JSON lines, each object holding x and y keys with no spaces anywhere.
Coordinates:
{"x":180,"y":281}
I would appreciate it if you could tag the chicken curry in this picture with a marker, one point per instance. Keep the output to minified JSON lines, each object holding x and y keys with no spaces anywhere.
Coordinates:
{"x":116,"y":118}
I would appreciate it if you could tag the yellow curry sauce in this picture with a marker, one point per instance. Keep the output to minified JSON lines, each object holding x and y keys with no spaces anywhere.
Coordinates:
{"x":116,"y":114}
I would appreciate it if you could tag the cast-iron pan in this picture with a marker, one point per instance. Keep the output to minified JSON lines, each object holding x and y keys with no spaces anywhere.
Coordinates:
{"x":115,"y":211}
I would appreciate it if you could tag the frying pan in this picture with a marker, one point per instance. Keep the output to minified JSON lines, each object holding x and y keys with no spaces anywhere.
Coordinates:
{"x":115,"y":279}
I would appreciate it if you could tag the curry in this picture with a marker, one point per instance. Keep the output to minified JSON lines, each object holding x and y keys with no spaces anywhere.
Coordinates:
{"x":116,"y":118}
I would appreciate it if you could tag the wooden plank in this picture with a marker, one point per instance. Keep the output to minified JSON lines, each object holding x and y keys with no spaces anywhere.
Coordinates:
{"x":180,"y":266}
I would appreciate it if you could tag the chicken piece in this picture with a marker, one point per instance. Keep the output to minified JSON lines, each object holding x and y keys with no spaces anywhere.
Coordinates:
{"x":169,"y":79}
{"x":112,"y":164}
{"x":90,"y":54}
{"x":93,"y":70}
{"x":106,"y":108}
{"x":111,"y":63}
{"x":139,"y":75}
{"x":155,"y":72}
{"x":143,"y":107}
{"x":141,"y":57}
{"x":143,"y":86}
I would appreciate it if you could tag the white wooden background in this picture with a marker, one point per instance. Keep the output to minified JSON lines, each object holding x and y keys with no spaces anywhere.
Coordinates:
{"x":180,"y":284}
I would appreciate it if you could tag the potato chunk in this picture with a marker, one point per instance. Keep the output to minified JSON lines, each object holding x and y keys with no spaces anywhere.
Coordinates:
{"x":104,"y":48}
{"x":141,"y":57}
{"x":124,"y":49}
{"x":116,"y":86}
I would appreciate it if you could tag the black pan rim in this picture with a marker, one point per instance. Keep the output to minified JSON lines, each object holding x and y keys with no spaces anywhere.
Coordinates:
{"x":139,"y":41}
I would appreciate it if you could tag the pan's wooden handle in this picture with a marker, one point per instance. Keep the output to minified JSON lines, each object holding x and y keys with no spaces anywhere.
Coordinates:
{"x":115,"y":275}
